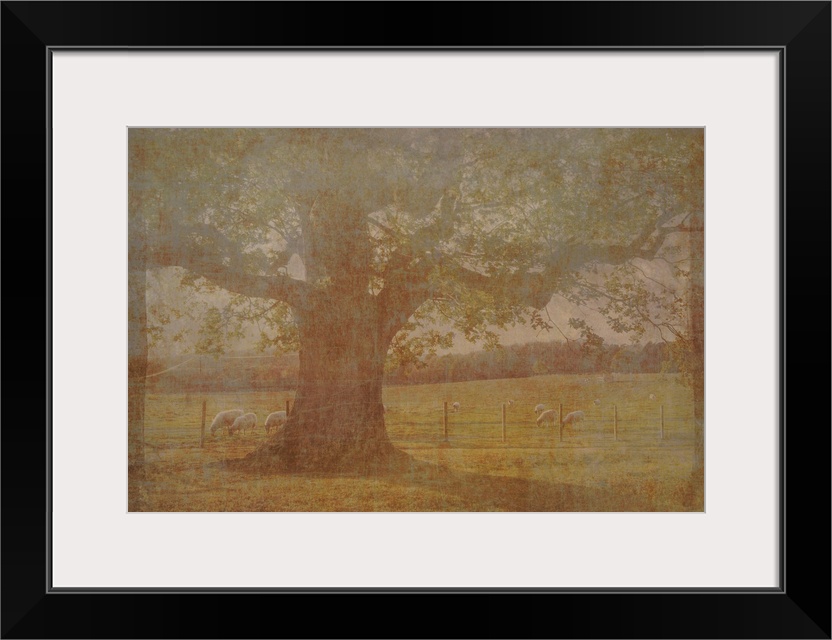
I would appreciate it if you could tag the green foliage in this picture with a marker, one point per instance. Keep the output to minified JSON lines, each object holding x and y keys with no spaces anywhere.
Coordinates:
{"x":408,"y":351}
{"x":491,"y":222}
{"x":213,"y":337}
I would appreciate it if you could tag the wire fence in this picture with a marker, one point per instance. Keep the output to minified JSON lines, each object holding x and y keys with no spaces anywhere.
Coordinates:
{"x":634,"y":424}
{"x":640,"y":424}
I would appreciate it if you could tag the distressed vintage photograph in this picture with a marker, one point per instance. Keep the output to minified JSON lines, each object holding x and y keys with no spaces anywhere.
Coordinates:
{"x":415,"y":319}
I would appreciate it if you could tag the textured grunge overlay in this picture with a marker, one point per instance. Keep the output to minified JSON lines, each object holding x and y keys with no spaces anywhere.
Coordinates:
{"x":416,"y":319}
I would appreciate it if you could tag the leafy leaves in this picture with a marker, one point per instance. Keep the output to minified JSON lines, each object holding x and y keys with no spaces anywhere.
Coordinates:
{"x":472,"y":215}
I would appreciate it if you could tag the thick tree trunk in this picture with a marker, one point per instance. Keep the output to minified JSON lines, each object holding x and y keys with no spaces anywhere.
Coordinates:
{"x":337,"y":420}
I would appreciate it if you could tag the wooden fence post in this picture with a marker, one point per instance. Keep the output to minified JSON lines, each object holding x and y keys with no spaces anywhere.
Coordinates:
{"x":445,"y":421}
{"x":615,"y":421}
{"x":504,"y":422}
{"x":560,"y":422}
{"x":287,"y":408}
{"x":202,"y":427}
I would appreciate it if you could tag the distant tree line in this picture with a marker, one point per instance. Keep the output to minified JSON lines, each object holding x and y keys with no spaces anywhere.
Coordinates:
{"x":255,"y":373}
{"x":215,"y":374}
{"x":537,"y":358}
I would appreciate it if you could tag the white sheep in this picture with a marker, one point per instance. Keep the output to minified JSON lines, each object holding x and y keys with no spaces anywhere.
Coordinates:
{"x":456,"y":406}
{"x":550,"y":415}
{"x":539,"y":408}
{"x":652,"y":396}
{"x":245,"y":421}
{"x":573,"y":418}
{"x":275,"y":420}
{"x":225,"y":419}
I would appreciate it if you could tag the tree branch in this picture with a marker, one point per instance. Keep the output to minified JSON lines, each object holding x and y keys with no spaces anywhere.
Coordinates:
{"x":406,"y":287}
{"x":190,"y":252}
{"x":405,"y":290}
{"x":645,"y":245}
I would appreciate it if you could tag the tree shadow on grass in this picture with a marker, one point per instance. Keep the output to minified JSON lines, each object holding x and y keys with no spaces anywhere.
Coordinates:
{"x":463,"y":491}
{"x":467,"y":491}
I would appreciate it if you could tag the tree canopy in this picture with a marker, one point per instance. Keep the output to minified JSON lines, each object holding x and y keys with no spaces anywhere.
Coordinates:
{"x":473,"y":229}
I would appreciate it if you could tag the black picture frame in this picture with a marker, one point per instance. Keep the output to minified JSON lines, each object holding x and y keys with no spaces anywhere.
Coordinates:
{"x":799,"y":608}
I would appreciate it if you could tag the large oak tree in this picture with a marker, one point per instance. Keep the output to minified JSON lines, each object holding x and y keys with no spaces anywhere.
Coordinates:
{"x":364,"y":246}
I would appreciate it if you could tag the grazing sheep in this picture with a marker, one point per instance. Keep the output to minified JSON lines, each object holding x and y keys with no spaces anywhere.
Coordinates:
{"x":597,"y":402}
{"x":275,"y":420}
{"x":652,"y":396}
{"x":573,"y":418}
{"x":539,"y":408}
{"x":225,"y":419}
{"x":245,"y":421}
{"x":509,"y":402}
{"x":550,"y":415}
{"x":456,"y":406}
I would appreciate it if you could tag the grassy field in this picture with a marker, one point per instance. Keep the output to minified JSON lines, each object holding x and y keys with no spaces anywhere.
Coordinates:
{"x":602,"y":464}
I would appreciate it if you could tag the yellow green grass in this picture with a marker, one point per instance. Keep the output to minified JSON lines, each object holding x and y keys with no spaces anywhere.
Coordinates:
{"x":592,"y":468}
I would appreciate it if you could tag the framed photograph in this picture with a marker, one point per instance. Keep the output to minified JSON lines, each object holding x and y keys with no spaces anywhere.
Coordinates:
{"x":499,"y":313}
